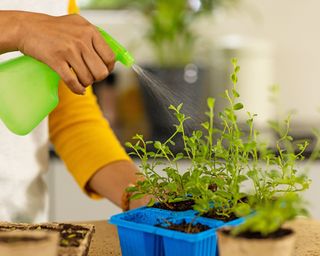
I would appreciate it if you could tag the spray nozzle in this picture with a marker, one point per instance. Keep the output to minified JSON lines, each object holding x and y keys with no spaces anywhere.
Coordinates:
{"x":121,"y":53}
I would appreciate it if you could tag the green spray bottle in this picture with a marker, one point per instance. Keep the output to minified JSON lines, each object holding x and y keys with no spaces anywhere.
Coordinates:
{"x":29,"y":88}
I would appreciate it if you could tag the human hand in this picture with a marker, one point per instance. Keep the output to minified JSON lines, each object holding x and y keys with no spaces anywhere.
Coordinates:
{"x":63,"y":43}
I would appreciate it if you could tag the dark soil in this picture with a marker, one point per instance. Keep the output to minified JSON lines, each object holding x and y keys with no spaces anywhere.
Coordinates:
{"x":178,"y":206}
{"x":71,"y":236}
{"x":213,"y":187}
{"x":213,"y":215}
{"x":22,"y":239}
{"x":256,"y":235}
{"x":186,"y":227}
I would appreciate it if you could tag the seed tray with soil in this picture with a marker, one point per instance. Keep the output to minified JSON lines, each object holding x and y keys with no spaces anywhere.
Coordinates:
{"x":74,"y":239}
{"x":185,"y":227}
{"x":157,"y":232}
{"x":177,"y":206}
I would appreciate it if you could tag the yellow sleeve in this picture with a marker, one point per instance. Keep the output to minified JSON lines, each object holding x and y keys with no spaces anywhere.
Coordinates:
{"x":82,"y":137}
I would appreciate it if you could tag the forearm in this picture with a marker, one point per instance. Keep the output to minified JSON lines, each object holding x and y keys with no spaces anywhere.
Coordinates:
{"x":112,"y":180}
{"x":9,"y":30}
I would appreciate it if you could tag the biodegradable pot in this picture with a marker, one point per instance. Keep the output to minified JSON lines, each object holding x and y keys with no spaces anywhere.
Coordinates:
{"x":82,"y":232}
{"x":29,"y":243}
{"x":231,"y":246}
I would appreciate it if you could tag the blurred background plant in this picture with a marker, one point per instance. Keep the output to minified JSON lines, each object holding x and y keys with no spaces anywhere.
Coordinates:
{"x":170,"y":30}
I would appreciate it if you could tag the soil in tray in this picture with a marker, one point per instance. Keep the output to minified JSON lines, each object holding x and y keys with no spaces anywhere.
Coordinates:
{"x":70,"y":235}
{"x":256,"y":235}
{"x":186,"y":227}
{"x":213,"y":215}
{"x":178,"y":206}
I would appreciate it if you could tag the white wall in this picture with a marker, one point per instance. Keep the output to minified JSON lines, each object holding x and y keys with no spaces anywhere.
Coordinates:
{"x":290,"y":26}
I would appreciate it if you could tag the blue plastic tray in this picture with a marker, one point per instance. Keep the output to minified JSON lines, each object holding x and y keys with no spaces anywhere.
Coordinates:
{"x":139,"y":236}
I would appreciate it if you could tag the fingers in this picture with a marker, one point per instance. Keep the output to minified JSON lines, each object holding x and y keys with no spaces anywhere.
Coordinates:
{"x":103,"y":50}
{"x":78,"y":64}
{"x":95,"y":64}
{"x":70,"y":78}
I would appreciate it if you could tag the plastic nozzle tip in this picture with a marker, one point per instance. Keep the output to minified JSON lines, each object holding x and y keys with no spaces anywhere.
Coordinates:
{"x":126,"y":59}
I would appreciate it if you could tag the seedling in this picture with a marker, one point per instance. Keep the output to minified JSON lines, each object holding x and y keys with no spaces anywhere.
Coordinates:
{"x":270,"y":216}
{"x":222,"y":158}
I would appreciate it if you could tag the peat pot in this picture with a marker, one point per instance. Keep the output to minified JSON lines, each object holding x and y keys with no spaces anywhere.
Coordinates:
{"x":231,"y":246}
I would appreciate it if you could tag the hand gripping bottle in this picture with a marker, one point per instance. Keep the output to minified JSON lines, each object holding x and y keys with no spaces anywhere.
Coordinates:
{"x":29,"y":88}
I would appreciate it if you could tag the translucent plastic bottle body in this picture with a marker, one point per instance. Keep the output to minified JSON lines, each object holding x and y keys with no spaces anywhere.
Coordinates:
{"x":28,"y":93}
{"x":29,"y":89}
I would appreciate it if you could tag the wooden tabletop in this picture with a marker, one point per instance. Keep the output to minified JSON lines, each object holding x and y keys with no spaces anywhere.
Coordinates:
{"x":106,"y":242}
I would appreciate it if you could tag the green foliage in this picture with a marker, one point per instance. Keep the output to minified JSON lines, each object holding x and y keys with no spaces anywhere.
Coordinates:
{"x":270,"y":215}
{"x":170,"y":22}
{"x":222,"y":156}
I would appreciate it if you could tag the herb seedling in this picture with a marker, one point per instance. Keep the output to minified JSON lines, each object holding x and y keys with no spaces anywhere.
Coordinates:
{"x":221,"y":159}
{"x":270,"y":216}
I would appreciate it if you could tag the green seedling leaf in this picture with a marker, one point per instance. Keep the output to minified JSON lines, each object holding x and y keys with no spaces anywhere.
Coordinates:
{"x":137,"y":196}
{"x":128,"y":145}
{"x":235,"y":93}
{"x":171,"y":107}
{"x":238,"y":106}
{"x":151,"y":202}
{"x":157,"y":145}
{"x":131,"y":189}
{"x":234,"y":78}
{"x":179,"y":107}
{"x":138,"y":137}
{"x":210,"y":102}
{"x":234,"y":61}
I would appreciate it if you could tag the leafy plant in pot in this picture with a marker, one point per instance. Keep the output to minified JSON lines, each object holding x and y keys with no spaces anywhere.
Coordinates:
{"x":275,"y":200}
{"x":263,"y":233}
{"x":220,"y":159}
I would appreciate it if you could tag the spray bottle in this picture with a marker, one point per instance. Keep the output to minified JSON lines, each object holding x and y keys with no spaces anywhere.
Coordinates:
{"x":29,"y":88}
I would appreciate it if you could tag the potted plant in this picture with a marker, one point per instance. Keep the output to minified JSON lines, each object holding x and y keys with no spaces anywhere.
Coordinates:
{"x":210,"y":192}
{"x":264,"y":233}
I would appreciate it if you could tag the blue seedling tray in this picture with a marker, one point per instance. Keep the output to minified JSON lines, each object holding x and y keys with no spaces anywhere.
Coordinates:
{"x":139,"y":236}
{"x":200,"y":244}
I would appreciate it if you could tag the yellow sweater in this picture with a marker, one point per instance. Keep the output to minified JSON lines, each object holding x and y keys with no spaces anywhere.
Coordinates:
{"x":82,"y":136}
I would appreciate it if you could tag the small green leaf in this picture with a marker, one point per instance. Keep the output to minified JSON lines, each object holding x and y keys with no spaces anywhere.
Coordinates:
{"x":179,"y":107}
{"x":128,"y":145}
{"x":210,"y":102}
{"x":151,"y":202}
{"x":172,"y":107}
{"x":238,"y":106}
{"x":138,"y":137}
{"x":132,"y":189}
{"x":234,"y":78}
{"x":235,"y":93}
{"x":234,"y":61}
{"x":137,"y":196}
{"x":205,"y":125}
{"x":157,"y":144}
